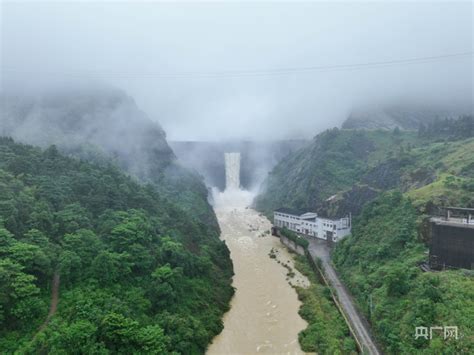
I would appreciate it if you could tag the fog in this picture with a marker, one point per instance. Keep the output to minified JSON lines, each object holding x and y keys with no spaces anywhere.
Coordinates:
{"x":217,"y":71}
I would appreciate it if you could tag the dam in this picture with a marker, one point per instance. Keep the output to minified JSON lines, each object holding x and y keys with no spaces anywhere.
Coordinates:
{"x":263,"y":317}
{"x":232,"y":171}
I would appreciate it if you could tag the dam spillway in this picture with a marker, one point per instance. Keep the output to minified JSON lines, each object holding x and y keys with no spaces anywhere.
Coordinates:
{"x":232,"y":171}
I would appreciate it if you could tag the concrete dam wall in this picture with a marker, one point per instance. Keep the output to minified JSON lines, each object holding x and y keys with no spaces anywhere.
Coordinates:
{"x":256,"y":159}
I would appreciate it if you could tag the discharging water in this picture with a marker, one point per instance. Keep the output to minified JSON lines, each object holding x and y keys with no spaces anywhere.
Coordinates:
{"x":232,"y":171}
{"x":264,"y":310}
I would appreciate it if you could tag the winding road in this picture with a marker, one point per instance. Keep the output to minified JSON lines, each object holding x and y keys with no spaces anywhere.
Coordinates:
{"x":319,"y":249}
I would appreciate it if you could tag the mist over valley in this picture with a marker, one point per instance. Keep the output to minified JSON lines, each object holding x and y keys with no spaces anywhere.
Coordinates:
{"x":236,"y":177}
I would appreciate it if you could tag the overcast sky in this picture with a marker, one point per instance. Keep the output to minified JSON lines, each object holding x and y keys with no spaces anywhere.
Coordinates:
{"x":135,"y":46}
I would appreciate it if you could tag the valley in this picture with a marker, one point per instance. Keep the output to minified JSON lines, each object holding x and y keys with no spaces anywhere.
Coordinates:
{"x":392,"y":183}
{"x":236,"y":177}
{"x":204,"y":227}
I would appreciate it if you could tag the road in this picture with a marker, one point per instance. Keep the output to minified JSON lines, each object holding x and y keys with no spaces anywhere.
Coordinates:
{"x":319,"y":249}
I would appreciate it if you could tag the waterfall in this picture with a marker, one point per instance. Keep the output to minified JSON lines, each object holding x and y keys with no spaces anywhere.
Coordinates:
{"x":232,"y":171}
{"x":233,"y":196}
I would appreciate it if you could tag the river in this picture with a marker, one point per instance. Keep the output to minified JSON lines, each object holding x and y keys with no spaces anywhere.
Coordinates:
{"x":264,"y":310}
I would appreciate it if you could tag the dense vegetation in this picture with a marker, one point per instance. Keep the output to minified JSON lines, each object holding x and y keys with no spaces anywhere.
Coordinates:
{"x":449,"y":128}
{"x":331,"y":163}
{"x":139,"y":272}
{"x":294,"y":237}
{"x":380,"y":265}
{"x":100,"y":124}
{"x":327,"y":332}
{"x":342,"y":170}
{"x":391,"y":181}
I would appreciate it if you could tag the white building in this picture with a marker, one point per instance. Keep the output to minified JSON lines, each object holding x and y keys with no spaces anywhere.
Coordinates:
{"x":311,"y":224}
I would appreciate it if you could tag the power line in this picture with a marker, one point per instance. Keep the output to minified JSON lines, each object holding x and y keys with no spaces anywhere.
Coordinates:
{"x":253,"y":73}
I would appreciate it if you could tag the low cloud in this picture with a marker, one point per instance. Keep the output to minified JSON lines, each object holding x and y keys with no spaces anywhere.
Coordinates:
{"x":162,"y":55}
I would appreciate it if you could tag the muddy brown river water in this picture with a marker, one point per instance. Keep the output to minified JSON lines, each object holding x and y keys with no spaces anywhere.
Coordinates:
{"x":264,"y":310}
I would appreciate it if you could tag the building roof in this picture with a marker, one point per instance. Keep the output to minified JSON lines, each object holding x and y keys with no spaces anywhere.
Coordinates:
{"x":455,"y":222}
{"x":309,"y":215}
{"x":291,"y":211}
{"x":464,"y":209}
{"x":299,"y":213}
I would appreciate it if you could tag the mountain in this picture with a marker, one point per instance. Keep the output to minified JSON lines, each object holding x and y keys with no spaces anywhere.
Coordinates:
{"x":101,"y":123}
{"x":341,"y":170}
{"x":103,"y":211}
{"x":334,"y":161}
{"x":391,"y":182}
{"x":406,"y":117}
{"x":75,"y":119}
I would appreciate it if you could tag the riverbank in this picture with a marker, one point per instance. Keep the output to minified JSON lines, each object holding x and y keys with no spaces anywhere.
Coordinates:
{"x":327,"y":332}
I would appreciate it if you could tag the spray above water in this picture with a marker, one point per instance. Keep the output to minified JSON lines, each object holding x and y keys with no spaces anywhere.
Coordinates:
{"x":233,"y":196}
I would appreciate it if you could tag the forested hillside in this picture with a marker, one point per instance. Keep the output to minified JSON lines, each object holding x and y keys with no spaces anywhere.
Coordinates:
{"x":100,"y":124}
{"x":405,"y":117}
{"x":379,"y":263}
{"x":391,"y":181}
{"x":334,"y":161}
{"x":138,"y":273}
{"x":341,"y":170}
{"x":90,"y":122}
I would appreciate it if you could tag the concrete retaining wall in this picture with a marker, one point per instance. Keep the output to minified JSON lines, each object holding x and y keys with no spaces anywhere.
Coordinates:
{"x":298,"y":249}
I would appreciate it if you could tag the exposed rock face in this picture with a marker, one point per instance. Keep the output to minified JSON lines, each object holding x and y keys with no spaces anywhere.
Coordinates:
{"x":332,"y":162}
{"x":350,"y":201}
{"x":341,"y":170}
{"x":418,"y":178}
{"x":385,"y":175}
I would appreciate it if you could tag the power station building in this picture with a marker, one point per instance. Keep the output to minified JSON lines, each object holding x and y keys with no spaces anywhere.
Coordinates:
{"x":309,"y":223}
{"x":452,"y":239}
